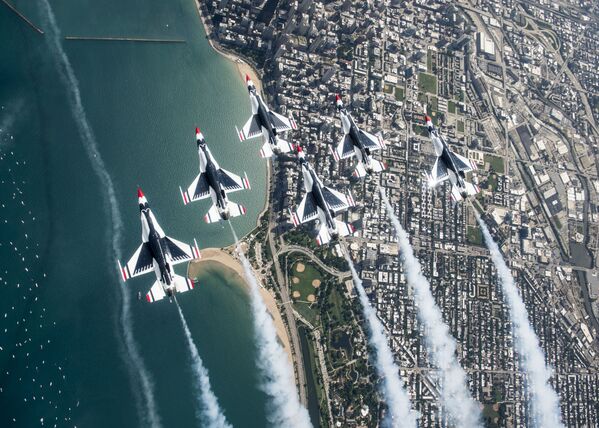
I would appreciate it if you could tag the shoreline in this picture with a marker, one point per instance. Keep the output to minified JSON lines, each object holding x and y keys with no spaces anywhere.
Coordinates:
{"x":227,"y":261}
{"x":243,"y":67}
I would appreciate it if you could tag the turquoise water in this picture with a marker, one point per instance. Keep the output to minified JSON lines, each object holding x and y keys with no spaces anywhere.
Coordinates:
{"x":60,"y":357}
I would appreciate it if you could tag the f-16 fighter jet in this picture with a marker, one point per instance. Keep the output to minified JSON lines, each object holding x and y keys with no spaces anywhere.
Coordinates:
{"x":266,"y":123}
{"x":359,"y":143}
{"x":321,"y":204}
{"x":215,"y":182}
{"x":450,"y":166}
{"x":159,"y":253}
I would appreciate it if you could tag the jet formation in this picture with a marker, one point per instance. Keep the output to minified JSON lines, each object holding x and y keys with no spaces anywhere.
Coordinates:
{"x":320,"y":203}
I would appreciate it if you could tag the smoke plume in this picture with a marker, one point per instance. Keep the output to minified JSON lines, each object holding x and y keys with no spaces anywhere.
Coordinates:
{"x":545,"y":402}
{"x":209,"y":410}
{"x":440,"y":345}
{"x":278,"y":383}
{"x":398,"y":402}
{"x":131,"y":353}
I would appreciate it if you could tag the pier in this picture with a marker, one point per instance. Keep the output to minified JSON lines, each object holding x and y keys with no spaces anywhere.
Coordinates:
{"x":23,"y":17}
{"x":124,"y":39}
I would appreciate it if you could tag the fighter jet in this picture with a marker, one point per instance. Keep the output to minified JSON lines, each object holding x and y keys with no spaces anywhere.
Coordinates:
{"x":215,"y":182}
{"x":159,"y":253}
{"x":450,"y":166}
{"x":322,"y":204}
{"x":266,"y":123}
{"x":359,"y":143}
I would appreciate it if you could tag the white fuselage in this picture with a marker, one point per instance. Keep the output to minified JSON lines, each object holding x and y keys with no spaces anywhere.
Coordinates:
{"x":260,"y":108}
{"x":210,"y":167}
{"x":152,"y":235}
{"x":313,"y":184}
{"x":350,"y":128}
{"x":442,"y":151}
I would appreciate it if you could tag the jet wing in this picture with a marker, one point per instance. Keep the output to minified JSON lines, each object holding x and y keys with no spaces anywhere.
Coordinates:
{"x":335,"y":200}
{"x":141,"y":262}
{"x":344,"y":149}
{"x":280,"y":122}
{"x":439,"y":173}
{"x":199,"y":189}
{"x":232,"y":182}
{"x":251,"y":129}
{"x":371,"y":142}
{"x":180,"y":251}
{"x":307,"y":210}
{"x":461,"y":163}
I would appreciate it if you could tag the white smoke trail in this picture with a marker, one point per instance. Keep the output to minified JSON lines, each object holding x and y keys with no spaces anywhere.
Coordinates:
{"x":209,"y":410}
{"x":545,"y":402}
{"x":278,"y":383}
{"x":398,"y":402}
{"x":149,"y":414}
{"x":441,"y":346}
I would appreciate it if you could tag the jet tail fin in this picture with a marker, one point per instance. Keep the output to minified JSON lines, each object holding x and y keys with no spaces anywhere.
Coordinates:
{"x":282,"y":146}
{"x":472,"y":189}
{"x":360,"y":170}
{"x":377,"y":166}
{"x":235,"y":210}
{"x":469,"y":189}
{"x":266,"y":150}
{"x":323,"y":236}
{"x":183,"y":284}
{"x":212,"y":216}
{"x":344,"y":229}
{"x":156,"y":292}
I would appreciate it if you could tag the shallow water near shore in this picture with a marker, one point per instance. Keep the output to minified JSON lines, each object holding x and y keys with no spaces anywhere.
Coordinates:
{"x":61,"y":360}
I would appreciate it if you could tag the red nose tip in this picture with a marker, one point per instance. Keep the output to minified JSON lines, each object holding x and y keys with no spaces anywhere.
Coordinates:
{"x":428,"y":119}
{"x":197,"y":130}
{"x":299,"y":148}
{"x":337,"y":97}
{"x":140,"y":194}
{"x":247,"y":78}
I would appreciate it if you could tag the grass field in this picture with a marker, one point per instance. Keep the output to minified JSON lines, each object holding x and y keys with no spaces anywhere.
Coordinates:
{"x":460,"y":125}
{"x":304,"y":286}
{"x":492,"y":181}
{"x":429,"y":61}
{"x":451,"y":107}
{"x":427,"y":83}
{"x":496,"y":163}
{"x":474,"y":235}
{"x":420,"y":130}
{"x":301,"y":282}
{"x":399,"y":94}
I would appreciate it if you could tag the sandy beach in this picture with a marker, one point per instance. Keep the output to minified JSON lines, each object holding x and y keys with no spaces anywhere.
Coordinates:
{"x":215,"y":255}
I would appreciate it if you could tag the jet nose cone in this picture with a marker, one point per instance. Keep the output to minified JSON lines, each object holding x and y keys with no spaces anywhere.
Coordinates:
{"x":197,"y":130}
{"x":427,"y":118}
{"x":247,"y":78}
{"x":140,"y":194}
